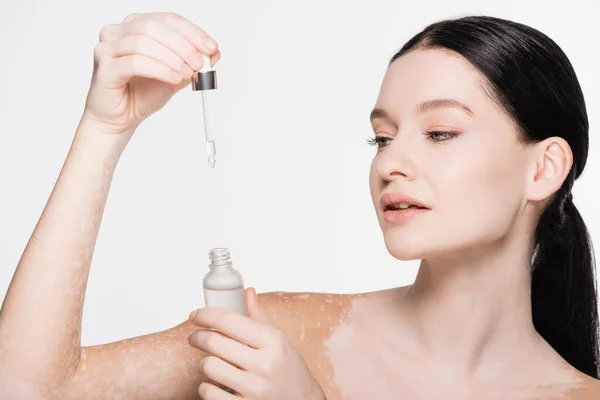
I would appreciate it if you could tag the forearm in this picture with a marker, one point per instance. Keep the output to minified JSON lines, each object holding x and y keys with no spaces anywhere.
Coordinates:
{"x":40,"y":319}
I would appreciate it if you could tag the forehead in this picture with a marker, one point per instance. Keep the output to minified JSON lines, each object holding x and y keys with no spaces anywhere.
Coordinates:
{"x":422,"y":75}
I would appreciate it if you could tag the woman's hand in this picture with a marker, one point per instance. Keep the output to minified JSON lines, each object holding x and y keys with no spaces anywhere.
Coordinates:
{"x":140,"y":64}
{"x":249,"y":356}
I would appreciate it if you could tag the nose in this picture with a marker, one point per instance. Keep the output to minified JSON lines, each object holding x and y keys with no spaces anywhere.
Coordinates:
{"x":395,"y":162}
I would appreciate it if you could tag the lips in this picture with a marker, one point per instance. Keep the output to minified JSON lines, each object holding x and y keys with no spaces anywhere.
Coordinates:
{"x":390,"y":201}
{"x":394,"y":215}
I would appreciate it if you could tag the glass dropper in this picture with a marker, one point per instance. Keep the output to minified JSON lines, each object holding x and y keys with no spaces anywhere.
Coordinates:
{"x":205,"y":81}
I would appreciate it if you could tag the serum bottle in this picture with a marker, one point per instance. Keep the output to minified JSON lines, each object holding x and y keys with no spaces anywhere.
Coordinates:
{"x":223,"y":285}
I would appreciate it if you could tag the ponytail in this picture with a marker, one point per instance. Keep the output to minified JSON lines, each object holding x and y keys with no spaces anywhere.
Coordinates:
{"x":563,"y":291}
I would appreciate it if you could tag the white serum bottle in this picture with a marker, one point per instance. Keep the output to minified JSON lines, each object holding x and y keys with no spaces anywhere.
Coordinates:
{"x":223,"y":285}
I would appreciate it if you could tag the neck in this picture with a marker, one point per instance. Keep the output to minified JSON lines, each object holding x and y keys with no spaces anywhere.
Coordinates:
{"x":471,"y":311}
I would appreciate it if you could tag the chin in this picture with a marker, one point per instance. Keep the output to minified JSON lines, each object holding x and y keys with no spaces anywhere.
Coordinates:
{"x":407,"y":248}
{"x":407,"y":243}
{"x":419,"y":248}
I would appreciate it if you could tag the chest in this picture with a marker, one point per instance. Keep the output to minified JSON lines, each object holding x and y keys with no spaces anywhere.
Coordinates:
{"x":365,"y":372}
{"x":367,"y":385}
{"x":349,"y":367}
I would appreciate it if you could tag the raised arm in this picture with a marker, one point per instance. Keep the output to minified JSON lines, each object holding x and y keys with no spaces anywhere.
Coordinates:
{"x":139,"y":65}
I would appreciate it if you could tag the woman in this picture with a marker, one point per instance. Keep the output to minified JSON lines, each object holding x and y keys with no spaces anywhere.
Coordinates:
{"x":481,"y":130}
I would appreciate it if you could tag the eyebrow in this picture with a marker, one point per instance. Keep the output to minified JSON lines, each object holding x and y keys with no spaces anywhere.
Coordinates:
{"x":379,"y":113}
{"x":444,"y":103}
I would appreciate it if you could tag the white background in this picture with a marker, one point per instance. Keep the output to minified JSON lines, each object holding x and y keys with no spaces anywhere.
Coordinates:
{"x":289,"y":196}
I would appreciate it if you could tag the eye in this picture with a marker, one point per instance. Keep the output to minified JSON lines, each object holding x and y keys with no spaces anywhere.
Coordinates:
{"x":440,"y":136}
{"x":435,"y":136}
{"x":378,"y":141}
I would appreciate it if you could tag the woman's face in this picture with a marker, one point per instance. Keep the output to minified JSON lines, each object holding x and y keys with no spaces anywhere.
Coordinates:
{"x":471,"y":175}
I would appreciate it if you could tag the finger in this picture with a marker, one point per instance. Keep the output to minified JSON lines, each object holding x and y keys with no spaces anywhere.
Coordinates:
{"x":255,"y":311}
{"x":147,"y":46}
{"x":210,"y":391}
{"x":237,"y":326}
{"x":223,"y":373}
{"x":203,"y":42}
{"x":165,"y":35}
{"x":199,"y":38}
{"x":215,"y":57}
{"x":112,"y":32}
{"x":125,"y":68}
{"x":224,"y":347}
{"x":109,"y":33}
{"x":182,"y":84}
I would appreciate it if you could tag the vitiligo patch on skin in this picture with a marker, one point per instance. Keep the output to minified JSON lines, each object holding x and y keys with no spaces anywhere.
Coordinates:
{"x":337,"y":336}
{"x":309,"y":320}
{"x":140,"y":367}
{"x":13,"y":387}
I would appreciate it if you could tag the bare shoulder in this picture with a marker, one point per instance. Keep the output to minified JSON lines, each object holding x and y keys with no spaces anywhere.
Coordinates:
{"x":297,"y":314}
{"x":585,"y":388}
{"x":312,"y":322}
{"x":307,"y":318}
{"x":577,"y":386}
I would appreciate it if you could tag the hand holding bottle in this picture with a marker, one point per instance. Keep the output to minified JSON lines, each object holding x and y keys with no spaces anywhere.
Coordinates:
{"x":250,"y":356}
{"x":140,"y":64}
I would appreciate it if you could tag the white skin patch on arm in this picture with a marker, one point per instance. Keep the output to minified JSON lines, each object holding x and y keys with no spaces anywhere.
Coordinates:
{"x":13,"y":387}
{"x":140,"y":368}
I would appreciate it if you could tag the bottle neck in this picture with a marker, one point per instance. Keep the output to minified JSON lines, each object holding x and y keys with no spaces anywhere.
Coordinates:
{"x":219,"y":257}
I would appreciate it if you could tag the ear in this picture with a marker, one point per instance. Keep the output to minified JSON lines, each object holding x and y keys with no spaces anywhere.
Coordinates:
{"x":551,"y":163}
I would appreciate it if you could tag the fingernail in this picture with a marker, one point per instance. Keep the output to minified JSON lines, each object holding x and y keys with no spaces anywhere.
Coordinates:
{"x":193,"y":314}
{"x":210,"y":44}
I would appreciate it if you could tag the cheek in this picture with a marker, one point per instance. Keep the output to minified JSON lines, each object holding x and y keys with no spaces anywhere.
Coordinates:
{"x":482,"y":191}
